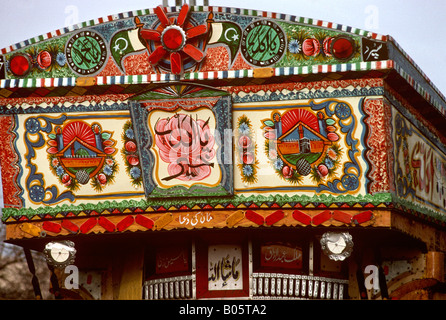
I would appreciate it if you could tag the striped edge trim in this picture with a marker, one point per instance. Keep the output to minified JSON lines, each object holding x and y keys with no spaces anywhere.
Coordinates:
{"x":209,"y":75}
{"x":420,"y":89}
{"x":248,"y":12}
{"x":404,"y":53}
{"x":37,"y":82}
{"x":229,"y":74}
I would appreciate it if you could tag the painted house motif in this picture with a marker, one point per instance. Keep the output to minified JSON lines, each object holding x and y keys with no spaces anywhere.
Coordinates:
{"x":300,"y":142}
{"x":302,"y":136}
{"x":79,"y":152}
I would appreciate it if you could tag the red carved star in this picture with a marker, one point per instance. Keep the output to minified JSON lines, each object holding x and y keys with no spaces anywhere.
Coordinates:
{"x":174,"y":37}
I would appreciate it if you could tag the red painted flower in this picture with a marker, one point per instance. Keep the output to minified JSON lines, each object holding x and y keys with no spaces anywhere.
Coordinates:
{"x":173,"y":35}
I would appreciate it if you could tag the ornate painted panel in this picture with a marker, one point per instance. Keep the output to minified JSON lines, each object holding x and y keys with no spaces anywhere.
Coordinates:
{"x":225,"y":267}
{"x":179,"y":145}
{"x":420,"y":168}
{"x":187,"y":39}
{"x":300,"y":146}
{"x":185,"y":135}
{"x":172,"y":260}
{"x":281,"y":256}
{"x":222,"y":269}
{"x":76,"y":157}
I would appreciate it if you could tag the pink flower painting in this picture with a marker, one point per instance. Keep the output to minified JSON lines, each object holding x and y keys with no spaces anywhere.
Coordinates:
{"x":187,"y":145}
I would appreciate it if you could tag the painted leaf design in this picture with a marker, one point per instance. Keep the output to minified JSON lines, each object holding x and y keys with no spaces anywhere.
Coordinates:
{"x":268,"y":123}
{"x":52,"y":150}
{"x":52,"y":143}
{"x":106,"y":135}
{"x":108,"y":143}
{"x":109,"y":150}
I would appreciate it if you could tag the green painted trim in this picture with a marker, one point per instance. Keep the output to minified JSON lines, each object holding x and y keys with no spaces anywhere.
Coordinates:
{"x":257,"y":200}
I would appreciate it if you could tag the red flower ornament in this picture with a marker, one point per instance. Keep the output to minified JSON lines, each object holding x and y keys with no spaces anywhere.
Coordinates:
{"x":172,"y":39}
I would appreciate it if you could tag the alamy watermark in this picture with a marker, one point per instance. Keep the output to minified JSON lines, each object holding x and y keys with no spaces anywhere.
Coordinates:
{"x":71,"y":15}
{"x":372,"y":280}
{"x":72,"y":280}
{"x":371,"y":21}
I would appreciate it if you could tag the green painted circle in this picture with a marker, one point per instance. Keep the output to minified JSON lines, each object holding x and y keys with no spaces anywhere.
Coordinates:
{"x":86,"y":53}
{"x":263,"y":43}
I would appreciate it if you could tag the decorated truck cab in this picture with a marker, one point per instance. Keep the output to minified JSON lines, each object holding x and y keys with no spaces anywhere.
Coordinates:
{"x":198,"y":152}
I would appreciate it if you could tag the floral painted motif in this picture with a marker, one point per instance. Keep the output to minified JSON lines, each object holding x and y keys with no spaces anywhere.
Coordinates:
{"x":246,"y":150}
{"x":308,"y":45}
{"x":187,"y":145}
{"x":130,"y":154}
{"x":9,"y":163}
{"x":379,"y":141}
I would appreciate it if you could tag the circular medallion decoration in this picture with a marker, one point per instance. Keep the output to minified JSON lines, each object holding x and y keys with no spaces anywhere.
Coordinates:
{"x":20,"y":64}
{"x":60,"y":254}
{"x":263,"y":43}
{"x":173,"y":38}
{"x":337,"y":245}
{"x":86,"y":53}
{"x":343,"y":48}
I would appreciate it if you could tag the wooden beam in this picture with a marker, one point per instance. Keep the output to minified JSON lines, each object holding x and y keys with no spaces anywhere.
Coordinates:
{"x":435,"y":265}
{"x":129,"y":265}
{"x":435,"y":239}
{"x":212,"y":219}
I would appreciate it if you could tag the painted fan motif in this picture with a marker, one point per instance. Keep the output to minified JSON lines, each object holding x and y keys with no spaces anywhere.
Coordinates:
{"x":178,"y":91}
{"x":79,"y":130}
{"x":173,"y":40}
{"x":291,"y":118}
